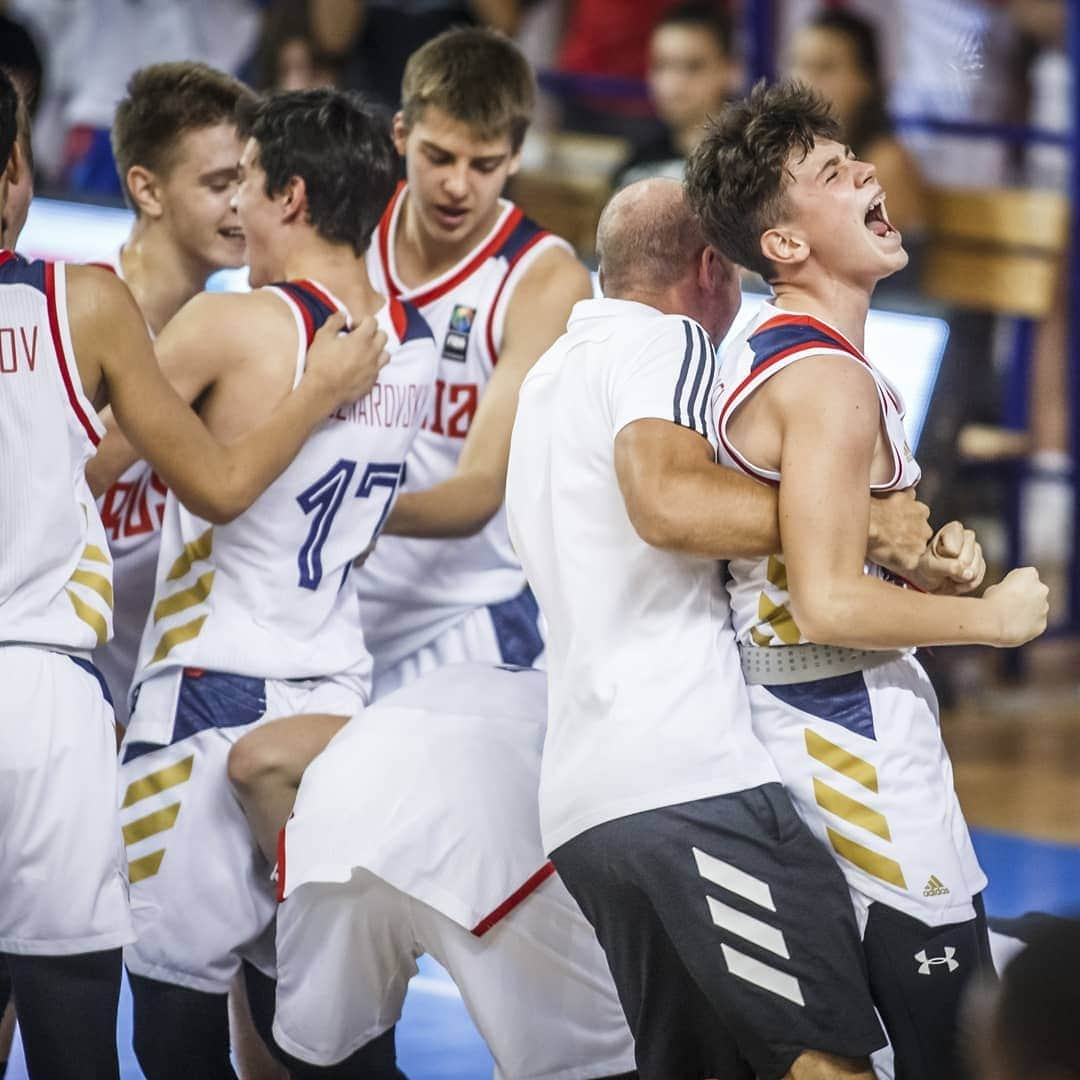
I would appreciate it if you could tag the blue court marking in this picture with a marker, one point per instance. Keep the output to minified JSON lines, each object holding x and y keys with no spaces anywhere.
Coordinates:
{"x":437,"y":1041}
{"x":1028,"y":875}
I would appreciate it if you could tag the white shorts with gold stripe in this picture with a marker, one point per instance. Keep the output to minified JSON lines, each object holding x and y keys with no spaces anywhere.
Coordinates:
{"x":62,"y":881}
{"x":862,"y":758}
{"x":201,"y":892}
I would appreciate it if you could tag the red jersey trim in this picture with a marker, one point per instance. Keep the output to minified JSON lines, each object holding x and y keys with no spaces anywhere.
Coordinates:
{"x":489,"y":336}
{"x":6,"y":257}
{"x":512,"y":901}
{"x":309,"y":286}
{"x":281,"y":865}
{"x":477,"y":259}
{"x":384,"y":239}
{"x":398,"y":317}
{"x":61,"y":356}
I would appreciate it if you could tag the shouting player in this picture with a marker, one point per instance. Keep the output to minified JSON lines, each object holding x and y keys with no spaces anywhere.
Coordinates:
{"x":844,"y":709}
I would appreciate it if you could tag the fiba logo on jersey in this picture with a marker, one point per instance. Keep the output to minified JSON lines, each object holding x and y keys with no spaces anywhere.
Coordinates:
{"x":457,"y":336}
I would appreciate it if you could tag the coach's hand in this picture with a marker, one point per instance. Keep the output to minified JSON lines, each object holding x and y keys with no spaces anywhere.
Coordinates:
{"x":347,"y":363}
{"x":1021,"y":605}
{"x":899,"y":531}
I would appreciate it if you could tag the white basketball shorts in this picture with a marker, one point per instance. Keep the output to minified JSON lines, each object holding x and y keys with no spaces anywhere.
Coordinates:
{"x":536,"y":985}
{"x":511,"y":632}
{"x":63,"y":889}
{"x":201,"y":892}
{"x":862,"y":758}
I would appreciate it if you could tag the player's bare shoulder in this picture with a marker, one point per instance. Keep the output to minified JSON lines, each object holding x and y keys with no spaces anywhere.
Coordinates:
{"x":557,"y":278}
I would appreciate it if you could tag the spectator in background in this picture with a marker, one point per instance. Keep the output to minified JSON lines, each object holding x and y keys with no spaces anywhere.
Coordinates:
{"x":603,"y":38}
{"x":372,"y":39}
{"x":91,"y":49}
{"x":693,"y":70}
{"x":836,"y":52}
{"x":287,"y":56}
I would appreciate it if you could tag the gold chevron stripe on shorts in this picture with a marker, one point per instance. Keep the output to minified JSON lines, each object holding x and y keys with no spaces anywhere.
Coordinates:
{"x":843,"y":761}
{"x":99,"y":583}
{"x":158,"y":821}
{"x":779,"y":620}
{"x":89,"y":615}
{"x":177,"y":636}
{"x":92,"y":553}
{"x":147,"y":866}
{"x":154,"y":782}
{"x":836,"y":802}
{"x":875,"y":864}
{"x":193,"y":552}
{"x":776,"y":573}
{"x":185,"y":598}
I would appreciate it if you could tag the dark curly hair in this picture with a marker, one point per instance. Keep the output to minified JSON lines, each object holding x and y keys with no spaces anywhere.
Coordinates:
{"x":736,"y":178}
{"x":339,"y":145}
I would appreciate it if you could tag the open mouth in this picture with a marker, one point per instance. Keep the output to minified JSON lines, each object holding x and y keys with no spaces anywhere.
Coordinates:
{"x":232,"y":233}
{"x":876,"y":219}
{"x":451,"y":215}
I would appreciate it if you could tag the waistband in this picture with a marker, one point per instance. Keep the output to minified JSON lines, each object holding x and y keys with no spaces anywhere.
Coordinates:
{"x":782,"y":665}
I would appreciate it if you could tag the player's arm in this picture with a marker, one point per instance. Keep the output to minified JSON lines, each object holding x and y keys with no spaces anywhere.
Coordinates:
{"x":829,"y":417}
{"x":215,"y":482}
{"x":536,"y":315}
{"x":188,"y":366}
{"x":678,"y":499}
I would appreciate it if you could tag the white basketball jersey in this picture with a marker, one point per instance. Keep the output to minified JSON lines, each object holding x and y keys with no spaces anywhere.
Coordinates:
{"x":265,"y":595}
{"x":772,"y":341}
{"x":132,"y":510}
{"x":460,"y":747}
{"x":413,"y":589}
{"x":56,"y":574}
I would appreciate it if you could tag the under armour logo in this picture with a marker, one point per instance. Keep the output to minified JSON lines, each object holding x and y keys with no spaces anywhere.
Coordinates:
{"x":927,"y":962}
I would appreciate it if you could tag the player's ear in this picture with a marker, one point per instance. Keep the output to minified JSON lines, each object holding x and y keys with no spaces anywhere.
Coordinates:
{"x":144,"y":191}
{"x":784,"y":247}
{"x":399,"y":131}
{"x":293,"y":199}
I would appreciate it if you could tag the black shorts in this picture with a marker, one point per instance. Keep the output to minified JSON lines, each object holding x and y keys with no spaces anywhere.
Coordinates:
{"x":730,"y":935}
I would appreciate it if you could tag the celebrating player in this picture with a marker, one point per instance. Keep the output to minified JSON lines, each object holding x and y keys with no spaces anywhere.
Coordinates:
{"x":78,"y":340}
{"x":851,"y":720}
{"x":250,"y":621}
{"x":176,"y":147}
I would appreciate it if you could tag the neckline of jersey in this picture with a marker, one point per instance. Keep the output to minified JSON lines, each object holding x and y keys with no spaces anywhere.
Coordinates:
{"x":431,"y":290}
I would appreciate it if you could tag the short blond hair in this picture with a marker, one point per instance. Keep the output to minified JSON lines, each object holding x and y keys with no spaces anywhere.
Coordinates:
{"x":478,"y":77}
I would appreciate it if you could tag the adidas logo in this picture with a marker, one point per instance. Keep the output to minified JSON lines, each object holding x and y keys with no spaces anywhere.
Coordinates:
{"x":934,"y":887}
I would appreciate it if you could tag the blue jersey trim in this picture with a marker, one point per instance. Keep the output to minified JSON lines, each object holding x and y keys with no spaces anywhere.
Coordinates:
{"x":19,"y":271}
{"x":840,"y":699}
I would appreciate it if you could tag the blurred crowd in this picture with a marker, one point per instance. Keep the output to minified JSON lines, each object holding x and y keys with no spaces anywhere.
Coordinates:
{"x":639,"y":79}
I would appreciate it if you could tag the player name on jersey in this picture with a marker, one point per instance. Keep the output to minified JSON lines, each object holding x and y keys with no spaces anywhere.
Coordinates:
{"x":388,"y":406}
{"x":18,"y":349}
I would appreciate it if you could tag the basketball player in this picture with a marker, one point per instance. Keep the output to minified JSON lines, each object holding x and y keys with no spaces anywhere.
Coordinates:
{"x":176,"y":148}
{"x":850,"y":721}
{"x":462,"y":876}
{"x":250,"y":622}
{"x":72,"y":338}
{"x":497,"y":290}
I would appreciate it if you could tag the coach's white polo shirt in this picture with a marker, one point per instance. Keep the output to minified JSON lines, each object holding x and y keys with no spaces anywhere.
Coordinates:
{"x":647,"y":705}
